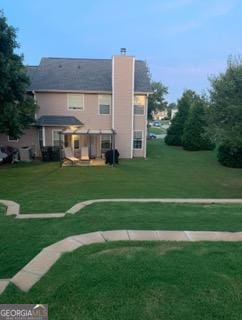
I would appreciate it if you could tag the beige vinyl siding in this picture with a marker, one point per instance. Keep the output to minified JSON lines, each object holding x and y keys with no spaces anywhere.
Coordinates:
{"x":123,"y":83}
{"x":55,"y":103}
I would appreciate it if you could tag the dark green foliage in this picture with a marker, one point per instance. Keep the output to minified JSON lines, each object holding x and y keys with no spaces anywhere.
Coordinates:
{"x":226,"y":113}
{"x":226,"y":103}
{"x":229,"y":155}
{"x":195,"y":137}
{"x":16,"y":109}
{"x":156,"y":100}
{"x":175,"y":131}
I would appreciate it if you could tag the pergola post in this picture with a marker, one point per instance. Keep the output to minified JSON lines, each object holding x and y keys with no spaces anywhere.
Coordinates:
{"x":88,"y":143}
{"x":60,"y":146}
{"x":113,"y":147}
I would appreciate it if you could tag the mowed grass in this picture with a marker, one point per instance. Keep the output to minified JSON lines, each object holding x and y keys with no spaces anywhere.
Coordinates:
{"x":141,"y":280}
{"x":21,"y":240}
{"x":167,"y":172}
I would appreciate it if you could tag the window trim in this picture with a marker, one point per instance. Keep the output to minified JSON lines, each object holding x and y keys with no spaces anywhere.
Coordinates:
{"x":142,"y":139}
{"x":12,"y":140}
{"x":83,"y":102}
{"x":99,"y":104}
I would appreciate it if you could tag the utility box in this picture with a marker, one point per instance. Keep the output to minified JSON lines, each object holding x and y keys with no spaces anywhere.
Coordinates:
{"x":25,"y":154}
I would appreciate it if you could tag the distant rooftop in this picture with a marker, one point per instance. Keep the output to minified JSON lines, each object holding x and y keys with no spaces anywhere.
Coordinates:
{"x":81,"y":74}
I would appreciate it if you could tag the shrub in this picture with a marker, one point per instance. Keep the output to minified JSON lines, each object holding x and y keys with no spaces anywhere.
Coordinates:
{"x":230,"y":155}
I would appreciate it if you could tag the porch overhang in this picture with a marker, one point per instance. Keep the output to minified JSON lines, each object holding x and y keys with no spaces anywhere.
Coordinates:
{"x":88,"y":131}
{"x":60,"y":121}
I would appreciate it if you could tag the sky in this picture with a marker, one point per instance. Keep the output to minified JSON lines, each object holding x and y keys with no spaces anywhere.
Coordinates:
{"x":183,"y":41}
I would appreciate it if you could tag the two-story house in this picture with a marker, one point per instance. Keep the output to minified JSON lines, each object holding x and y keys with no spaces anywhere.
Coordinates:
{"x":90,"y":101}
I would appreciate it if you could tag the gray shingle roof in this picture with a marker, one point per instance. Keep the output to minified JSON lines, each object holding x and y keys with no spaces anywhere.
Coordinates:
{"x":82,"y":74}
{"x":58,"y":121}
{"x":31,"y":71}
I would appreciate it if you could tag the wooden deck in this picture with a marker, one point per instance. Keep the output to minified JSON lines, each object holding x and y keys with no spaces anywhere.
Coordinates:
{"x":90,"y":163}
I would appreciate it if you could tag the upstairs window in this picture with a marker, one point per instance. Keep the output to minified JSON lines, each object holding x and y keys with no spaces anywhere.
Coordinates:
{"x":104,"y":102}
{"x":139,"y":105}
{"x":75,"y":102}
{"x":138,"y":140}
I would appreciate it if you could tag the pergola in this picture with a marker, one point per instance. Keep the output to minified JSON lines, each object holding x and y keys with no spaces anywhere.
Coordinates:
{"x":88,"y":133}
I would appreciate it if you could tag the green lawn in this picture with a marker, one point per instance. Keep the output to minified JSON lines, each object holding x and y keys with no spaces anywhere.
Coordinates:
{"x":136,"y":280}
{"x":168,"y":172}
{"x":140,"y":280}
{"x":21,"y":240}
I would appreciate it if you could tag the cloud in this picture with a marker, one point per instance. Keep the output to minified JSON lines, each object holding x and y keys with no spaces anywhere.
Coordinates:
{"x":193,"y":72}
{"x":205,"y":13}
{"x":170,"y":5}
{"x":221,"y":8}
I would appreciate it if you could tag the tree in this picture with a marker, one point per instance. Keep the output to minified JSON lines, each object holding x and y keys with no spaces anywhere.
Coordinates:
{"x":156,"y":100}
{"x":226,"y":113}
{"x":17,"y":109}
{"x":195,"y":136}
{"x":175,"y":131}
{"x":226,"y":103}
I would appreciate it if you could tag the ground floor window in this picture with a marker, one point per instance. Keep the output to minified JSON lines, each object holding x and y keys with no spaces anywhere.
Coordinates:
{"x":138,"y":140}
{"x":106,"y":141}
{"x":12,"y":139}
{"x":41,"y":137}
{"x":56,"y":138}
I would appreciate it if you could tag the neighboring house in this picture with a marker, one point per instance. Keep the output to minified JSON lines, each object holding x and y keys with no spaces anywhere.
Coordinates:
{"x":93,"y":101}
{"x":159,"y":115}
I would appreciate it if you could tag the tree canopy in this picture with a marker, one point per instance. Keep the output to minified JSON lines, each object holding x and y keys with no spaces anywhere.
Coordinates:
{"x":226,"y":113}
{"x":195,"y":136}
{"x":157,"y":100}
{"x":17,"y":109}
{"x":175,"y":131}
{"x":226,"y":103}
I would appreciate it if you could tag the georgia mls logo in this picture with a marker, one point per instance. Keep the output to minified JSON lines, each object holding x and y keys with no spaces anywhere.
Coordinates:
{"x":23,"y":312}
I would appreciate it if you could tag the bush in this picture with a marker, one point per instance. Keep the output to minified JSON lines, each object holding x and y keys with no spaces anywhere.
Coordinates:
{"x":230,"y":155}
{"x":172,"y":140}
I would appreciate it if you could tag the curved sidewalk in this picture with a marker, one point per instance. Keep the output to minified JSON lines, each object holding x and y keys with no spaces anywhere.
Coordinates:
{"x":13,"y":208}
{"x":31,"y":273}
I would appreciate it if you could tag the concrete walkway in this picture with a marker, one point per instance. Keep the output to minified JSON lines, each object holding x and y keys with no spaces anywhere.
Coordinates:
{"x":31,"y":273}
{"x":13,"y":208}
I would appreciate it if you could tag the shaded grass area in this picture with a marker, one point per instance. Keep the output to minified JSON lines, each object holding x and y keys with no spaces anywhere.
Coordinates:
{"x":141,"y":280}
{"x":21,"y":240}
{"x":2,"y":210}
{"x":167,"y":172}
